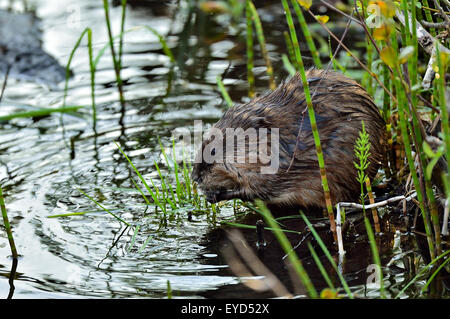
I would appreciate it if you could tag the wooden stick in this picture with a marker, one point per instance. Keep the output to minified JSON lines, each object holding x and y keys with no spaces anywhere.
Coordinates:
{"x":379,"y":204}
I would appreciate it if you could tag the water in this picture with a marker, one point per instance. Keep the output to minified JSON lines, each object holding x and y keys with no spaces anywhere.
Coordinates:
{"x":78,"y":256}
{"x":89,"y":255}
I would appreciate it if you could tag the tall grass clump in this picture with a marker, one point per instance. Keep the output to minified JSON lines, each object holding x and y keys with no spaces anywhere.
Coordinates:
{"x":92,"y":67}
{"x":170,"y":197}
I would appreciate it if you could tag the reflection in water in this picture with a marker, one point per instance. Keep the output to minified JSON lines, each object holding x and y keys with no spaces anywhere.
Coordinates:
{"x":12,"y":276}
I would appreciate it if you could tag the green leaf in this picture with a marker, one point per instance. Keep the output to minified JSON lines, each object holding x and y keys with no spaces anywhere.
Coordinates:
{"x":427,"y":150}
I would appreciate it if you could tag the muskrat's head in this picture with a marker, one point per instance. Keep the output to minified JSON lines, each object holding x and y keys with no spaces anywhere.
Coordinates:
{"x":217,"y":175}
{"x":219,"y":181}
{"x":230,"y":163}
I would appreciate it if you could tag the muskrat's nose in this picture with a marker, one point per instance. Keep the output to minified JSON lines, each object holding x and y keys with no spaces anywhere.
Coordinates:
{"x":196,"y":176}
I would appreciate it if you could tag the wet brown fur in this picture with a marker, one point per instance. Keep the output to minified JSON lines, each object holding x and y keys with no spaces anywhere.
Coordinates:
{"x":340,"y":104}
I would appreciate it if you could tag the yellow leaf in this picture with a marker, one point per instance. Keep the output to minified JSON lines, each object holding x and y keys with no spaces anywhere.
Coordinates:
{"x":382,"y":33}
{"x":388,"y":56}
{"x":323,"y":19}
{"x":305,"y":3}
{"x":327,"y":293}
{"x":445,"y":59}
{"x":386,"y":7}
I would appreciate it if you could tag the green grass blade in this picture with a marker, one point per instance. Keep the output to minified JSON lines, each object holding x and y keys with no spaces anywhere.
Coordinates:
{"x":328,"y":255}
{"x":320,"y":266}
{"x":307,"y":34}
{"x":41,"y":112}
{"x":375,"y":254}
{"x":424,"y":269}
{"x":223,"y":91}
{"x":104,"y":208}
{"x":287,"y":247}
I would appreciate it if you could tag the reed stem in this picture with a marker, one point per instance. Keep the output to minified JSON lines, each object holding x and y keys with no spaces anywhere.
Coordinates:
{"x":250,"y":75}
{"x":7,"y":225}
{"x":312,"y":119}
{"x":116,"y":59}
{"x":307,"y":34}
{"x":262,"y":44}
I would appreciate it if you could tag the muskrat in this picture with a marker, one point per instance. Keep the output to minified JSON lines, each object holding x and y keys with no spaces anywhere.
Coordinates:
{"x":340,"y":106}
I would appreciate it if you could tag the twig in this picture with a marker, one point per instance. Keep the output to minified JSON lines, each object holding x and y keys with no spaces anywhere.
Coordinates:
{"x":443,"y":14}
{"x":369,"y":35}
{"x":429,"y":73}
{"x":339,"y":232}
{"x":356,"y":205}
{"x":330,"y":6}
{"x":436,"y":25}
{"x":379,"y":204}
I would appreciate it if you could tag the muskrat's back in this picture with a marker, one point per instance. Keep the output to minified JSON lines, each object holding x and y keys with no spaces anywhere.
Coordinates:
{"x":340,"y":106}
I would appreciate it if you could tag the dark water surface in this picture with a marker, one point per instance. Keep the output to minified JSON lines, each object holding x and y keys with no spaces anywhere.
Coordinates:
{"x":88,"y":256}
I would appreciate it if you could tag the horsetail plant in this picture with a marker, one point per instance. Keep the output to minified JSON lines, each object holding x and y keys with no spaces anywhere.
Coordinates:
{"x":362,"y":153}
{"x":306,"y":32}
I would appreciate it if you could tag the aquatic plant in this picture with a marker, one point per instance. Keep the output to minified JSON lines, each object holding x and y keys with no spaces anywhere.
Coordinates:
{"x":362,"y":153}
{"x":7,"y":225}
